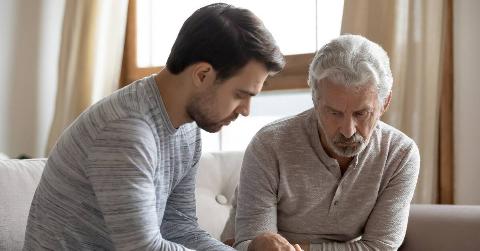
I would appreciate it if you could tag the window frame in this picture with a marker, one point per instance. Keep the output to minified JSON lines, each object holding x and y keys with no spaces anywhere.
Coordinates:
{"x":293,"y":76}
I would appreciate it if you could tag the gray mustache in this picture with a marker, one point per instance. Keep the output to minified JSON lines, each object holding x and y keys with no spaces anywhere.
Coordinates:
{"x":356,"y":138}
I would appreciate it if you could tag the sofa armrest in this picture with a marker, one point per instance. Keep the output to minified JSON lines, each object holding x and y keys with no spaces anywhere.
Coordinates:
{"x":443,"y":227}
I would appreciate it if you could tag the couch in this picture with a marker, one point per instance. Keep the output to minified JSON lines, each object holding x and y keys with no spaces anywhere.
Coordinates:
{"x":431,"y":227}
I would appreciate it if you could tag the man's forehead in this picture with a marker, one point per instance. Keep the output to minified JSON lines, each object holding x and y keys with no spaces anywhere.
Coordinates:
{"x":337,"y":90}
{"x":337,"y":96}
{"x":348,"y":86}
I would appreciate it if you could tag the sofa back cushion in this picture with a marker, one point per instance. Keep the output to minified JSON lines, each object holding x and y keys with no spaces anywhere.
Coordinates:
{"x":18,"y":181}
{"x":217,"y":178}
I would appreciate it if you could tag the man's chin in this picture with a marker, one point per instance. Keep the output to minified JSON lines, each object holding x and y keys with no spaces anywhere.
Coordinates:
{"x":212,"y":128}
{"x":348,"y":152}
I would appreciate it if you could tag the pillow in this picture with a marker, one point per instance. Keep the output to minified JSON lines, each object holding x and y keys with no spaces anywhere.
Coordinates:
{"x":18,"y":181}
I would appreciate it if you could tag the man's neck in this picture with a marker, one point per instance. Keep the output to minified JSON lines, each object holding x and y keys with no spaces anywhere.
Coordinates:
{"x":175,"y":96}
{"x":343,"y":162}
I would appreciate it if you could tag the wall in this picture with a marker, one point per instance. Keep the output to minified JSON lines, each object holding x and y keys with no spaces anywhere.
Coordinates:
{"x":467,"y":101}
{"x":28,"y":73}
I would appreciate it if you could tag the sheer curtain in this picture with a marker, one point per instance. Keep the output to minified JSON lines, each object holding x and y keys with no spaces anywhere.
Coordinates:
{"x":413,"y":34}
{"x":90,"y":58}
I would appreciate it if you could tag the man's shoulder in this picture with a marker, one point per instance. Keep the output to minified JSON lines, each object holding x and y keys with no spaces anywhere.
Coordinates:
{"x":137,"y":97}
{"x":388,"y":130}
{"x":125,"y":112}
{"x":394,"y":139}
{"x":135,"y":100}
{"x":287,"y":126}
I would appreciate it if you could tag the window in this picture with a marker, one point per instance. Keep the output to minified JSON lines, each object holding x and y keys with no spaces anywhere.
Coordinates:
{"x":300,"y":28}
{"x":265,"y":108}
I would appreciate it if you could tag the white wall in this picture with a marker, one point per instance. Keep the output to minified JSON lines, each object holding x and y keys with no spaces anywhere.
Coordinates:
{"x":29,"y":51}
{"x":467,"y":101}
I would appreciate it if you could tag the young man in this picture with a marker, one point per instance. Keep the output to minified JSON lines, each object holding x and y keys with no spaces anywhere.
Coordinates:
{"x":333,"y":177}
{"x":121,"y":177}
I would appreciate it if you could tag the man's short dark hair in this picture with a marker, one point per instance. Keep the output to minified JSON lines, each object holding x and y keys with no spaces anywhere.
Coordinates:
{"x":226,"y":37}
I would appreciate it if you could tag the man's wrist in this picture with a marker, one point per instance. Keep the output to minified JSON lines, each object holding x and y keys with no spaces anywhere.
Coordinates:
{"x":305,"y":246}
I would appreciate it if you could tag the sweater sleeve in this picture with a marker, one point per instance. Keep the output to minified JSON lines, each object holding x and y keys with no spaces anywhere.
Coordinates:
{"x":180,"y":222}
{"x":121,"y":168}
{"x":257,"y":193}
{"x":387,"y":223}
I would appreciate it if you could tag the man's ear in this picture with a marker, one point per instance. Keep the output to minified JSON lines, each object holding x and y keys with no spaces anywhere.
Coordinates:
{"x":203,"y":74}
{"x":388,"y":99}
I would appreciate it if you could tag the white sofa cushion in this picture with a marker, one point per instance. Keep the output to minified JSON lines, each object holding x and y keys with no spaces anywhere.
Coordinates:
{"x":3,"y":156}
{"x":18,"y":181}
{"x":217,"y":177}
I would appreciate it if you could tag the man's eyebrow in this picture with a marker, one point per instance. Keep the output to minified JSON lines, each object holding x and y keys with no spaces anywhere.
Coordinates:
{"x":249,"y":93}
{"x":368,"y":108}
{"x":331,"y":108}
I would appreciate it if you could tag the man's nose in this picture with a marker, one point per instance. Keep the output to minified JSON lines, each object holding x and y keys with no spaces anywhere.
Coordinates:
{"x":348,"y":128}
{"x":244,"y":108}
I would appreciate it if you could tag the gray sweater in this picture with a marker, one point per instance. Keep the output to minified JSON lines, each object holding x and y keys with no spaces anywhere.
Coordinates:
{"x":121,"y":177}
{"x":288,"y":184}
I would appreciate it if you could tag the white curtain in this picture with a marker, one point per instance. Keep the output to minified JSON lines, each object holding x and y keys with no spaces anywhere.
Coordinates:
{"x":90,"y":58}
{"x":411,"y":33}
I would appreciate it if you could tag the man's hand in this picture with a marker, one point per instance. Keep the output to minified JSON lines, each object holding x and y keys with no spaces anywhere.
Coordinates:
{"x":272,"y":242}
{"x":305,"y":247}
{"x":229,"y":242}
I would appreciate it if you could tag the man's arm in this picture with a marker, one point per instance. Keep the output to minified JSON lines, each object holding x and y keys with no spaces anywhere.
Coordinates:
{"x":257,"y":195}
{"x":121,"y":170}
{"x":180,"y":222}
{"x":387,"y":224}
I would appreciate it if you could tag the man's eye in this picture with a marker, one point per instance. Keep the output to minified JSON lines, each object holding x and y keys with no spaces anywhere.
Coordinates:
{"x":334,"y":114}
{"x":361,"y":114}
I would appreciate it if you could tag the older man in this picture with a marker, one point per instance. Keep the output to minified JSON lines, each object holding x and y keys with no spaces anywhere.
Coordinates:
{"x":333,"y":177}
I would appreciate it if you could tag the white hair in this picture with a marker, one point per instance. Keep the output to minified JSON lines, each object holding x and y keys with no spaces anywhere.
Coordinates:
{"x":352,"y":60}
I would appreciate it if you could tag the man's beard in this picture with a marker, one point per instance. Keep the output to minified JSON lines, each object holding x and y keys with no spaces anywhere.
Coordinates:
{"x":201,"y":110}
{"x":348,"y":147}
{"x":345,"y":147}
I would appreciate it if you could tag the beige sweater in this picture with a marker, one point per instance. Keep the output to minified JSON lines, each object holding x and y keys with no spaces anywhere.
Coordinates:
{"x":289,"y":185}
